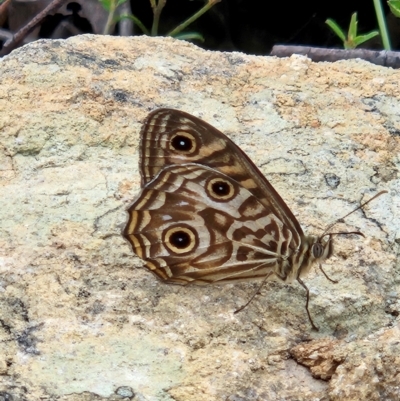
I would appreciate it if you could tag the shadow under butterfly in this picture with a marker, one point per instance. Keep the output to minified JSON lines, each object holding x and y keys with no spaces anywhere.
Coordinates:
{"x":206,"y":214}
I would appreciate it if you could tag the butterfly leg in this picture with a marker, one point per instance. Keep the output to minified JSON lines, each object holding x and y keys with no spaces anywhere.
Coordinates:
{"x":308,"y":299}
{"x":331,"y":280}
{"x":255,"y":293}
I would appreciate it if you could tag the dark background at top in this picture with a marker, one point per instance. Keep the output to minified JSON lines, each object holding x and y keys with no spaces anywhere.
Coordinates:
{"x":254,"y":26}
{"x":249,"y":26}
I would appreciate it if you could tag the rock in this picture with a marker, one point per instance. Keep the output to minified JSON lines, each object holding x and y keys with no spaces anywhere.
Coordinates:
{"x":81,"y":319}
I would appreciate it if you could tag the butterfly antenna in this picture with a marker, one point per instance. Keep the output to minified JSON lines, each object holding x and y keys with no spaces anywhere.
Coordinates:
{"x":348,"y":214}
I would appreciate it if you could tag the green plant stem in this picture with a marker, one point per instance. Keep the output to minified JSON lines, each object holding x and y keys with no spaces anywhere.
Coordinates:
{"x":157,"y":8}
{"x":382,"y":24}
{"x":110,"y":18}
{"x":199,"y":13}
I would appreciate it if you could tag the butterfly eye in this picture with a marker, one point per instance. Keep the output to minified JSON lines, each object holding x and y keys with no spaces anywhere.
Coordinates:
{"x":317,"y":250}
{"x":180,"y":239}
{"x":323,"y":248}
{"x":220,"y":189}
{"x":183,"y":142}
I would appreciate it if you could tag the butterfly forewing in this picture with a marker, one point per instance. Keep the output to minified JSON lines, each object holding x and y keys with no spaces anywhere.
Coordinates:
{"x":229,"y":233}
{"x":171,"y":137}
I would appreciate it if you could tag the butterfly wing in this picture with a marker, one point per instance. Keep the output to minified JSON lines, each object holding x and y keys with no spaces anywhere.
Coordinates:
{"x":194,"y":224}
{"x":172,"y":137}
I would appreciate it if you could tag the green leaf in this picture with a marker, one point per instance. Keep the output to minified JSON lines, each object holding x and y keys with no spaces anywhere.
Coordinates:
{"x":352,"y":40}
{"x":394,"y":6}
{"x":352,"y":34}
{"x":106,"y":4}
{"x":135,"y":20}
{"x":190,"y":36}
{"x":363,"y":38}
{"x":336,"y":28}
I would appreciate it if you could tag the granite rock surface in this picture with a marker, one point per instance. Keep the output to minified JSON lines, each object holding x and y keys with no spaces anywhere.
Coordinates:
{"x":80,"y":319}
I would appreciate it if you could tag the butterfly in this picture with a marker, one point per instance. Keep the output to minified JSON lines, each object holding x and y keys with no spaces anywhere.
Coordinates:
{"x":206,"y":214}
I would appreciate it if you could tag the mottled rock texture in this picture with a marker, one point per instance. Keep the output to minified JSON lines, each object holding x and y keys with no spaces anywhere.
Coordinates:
{"x":81,"y":320}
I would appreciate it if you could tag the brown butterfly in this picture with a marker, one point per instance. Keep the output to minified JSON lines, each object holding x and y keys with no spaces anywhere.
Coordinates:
{"x":206,"y":214}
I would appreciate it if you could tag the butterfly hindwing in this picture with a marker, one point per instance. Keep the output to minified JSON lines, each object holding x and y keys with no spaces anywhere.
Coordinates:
{"x":194,"y":224}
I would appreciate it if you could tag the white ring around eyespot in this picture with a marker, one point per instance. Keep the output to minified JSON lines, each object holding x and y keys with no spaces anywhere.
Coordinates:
{"x":183,"y":228}
{"x":220,"y":198}
{"x":185,"y":134}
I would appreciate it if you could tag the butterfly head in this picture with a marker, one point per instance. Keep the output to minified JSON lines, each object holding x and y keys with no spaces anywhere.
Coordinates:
{"x":318,"y":249}
{"x":322,"y":248}
{"x":315,"y":249}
